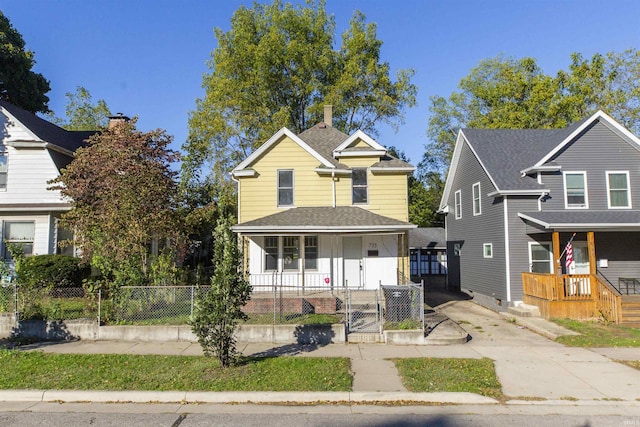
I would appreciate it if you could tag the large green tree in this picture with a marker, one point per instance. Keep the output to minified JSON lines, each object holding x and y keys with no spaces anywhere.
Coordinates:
{"x":123,"y":194}
{"x":82,"y":113}
{"x":515,"y":93}
{"x":20,"y":85}
{"x":277,"y":67}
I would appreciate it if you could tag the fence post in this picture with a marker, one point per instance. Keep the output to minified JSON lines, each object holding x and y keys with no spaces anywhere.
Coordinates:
{"x":16,"y":313}
{"x":99,"y":305}
{"x":192,"y":301}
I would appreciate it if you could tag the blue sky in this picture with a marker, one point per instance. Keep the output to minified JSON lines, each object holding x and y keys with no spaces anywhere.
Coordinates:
{"x":147,"y":57}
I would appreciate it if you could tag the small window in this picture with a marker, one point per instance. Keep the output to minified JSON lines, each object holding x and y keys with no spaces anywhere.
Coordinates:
{"x":618,"y":192}
{"x":458,"y":204}
{"x":19,"y":233}
{"x":285,"y":188}
{"x":540,"y":259}
{"x":311,"y":252}
{"x":487,"y":250}
{"x":359,"y":186}
{"x":3,"y":169}
{"x":477,"y":209}
{"x":456,"y":249}
{"x":270,"y":253}
{"x":575,"y":185}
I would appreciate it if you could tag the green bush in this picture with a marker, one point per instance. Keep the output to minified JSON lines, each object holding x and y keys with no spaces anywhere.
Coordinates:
{"x":52,"y":271}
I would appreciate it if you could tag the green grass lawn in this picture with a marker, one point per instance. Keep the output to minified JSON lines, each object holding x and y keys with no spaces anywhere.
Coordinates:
{"x":449,"y":375}
{"x":598,"y":334}
{"x":38,"y":370}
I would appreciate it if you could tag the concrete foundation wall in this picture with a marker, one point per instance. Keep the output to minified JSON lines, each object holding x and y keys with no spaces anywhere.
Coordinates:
{"x":89,"y":330}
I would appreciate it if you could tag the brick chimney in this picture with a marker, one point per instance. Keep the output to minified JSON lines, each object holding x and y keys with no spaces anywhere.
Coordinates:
{"x":118,"y":119}
{"x":328,"y":115}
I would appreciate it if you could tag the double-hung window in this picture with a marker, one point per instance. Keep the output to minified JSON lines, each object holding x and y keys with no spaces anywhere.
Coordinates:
{"x":618,"y":193}
{"x":359,"y":186}
{"x":575,"y":190}
{"x":270,"y":253}
{"x":20,"y":234}
{"x":311,"y":252}
{"x":458,"y":204}
{"x":285,"y":188}
{"x":3,"y":168}
{"x":477,"y":208}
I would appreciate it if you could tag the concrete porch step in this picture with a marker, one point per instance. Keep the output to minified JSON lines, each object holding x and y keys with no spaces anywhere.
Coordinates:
{"x":524,"y":310}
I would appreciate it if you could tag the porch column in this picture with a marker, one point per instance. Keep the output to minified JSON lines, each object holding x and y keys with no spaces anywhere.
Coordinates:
{"x":591,"y":245}
{"x":555,"y":238}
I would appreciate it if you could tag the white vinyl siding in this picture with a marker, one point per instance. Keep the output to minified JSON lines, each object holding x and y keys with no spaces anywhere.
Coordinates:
{"x":618,"y":191}
{"x":477,"y":208}
{"x":458,"y":204}
{"x":575,"y":190}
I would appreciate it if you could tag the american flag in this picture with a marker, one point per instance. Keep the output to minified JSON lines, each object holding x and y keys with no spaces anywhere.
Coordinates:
{"x":569,"y":255}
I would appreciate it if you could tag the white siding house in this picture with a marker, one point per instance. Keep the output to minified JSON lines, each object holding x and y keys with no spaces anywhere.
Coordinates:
{"x":32,"y":152}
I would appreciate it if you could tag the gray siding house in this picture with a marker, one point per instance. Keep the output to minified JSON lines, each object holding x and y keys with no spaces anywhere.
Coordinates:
{"x":514,"y":199}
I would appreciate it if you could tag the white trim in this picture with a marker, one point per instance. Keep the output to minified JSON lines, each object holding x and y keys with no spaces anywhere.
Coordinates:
{"x":473,"y":196}
{"x":551,"y":256}
{"x":457,"y":204}
{"x":366,"y":175}
{"x":333,"y":171}
{"x":486,"y":246}
{"x":518,"y":192}
{"x":598,"y":115}
{"x":273,"y":140}
{"x":629,"y":204}
{"x":355,"y":136}
{"x":359,"y":153}
{"x":538,"y":169}
{"x":566,"y":196}
{"x":507,"y":250}
{"x":580,"y":226}
{"x":245,"y":172}
{"x":278,"y":187}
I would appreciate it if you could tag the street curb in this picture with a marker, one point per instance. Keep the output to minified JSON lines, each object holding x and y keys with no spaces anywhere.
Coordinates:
{"x":74,"y":396}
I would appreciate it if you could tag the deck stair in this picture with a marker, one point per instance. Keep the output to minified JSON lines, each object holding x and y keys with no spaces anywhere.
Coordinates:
{"x":631,"y":311}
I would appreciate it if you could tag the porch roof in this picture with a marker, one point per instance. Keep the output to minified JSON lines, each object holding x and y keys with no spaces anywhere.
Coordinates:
{"x":323,"y":220}
{"x":586,"y":220}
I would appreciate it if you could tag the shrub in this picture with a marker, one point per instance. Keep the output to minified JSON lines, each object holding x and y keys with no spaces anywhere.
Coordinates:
{"x":52,"y":271}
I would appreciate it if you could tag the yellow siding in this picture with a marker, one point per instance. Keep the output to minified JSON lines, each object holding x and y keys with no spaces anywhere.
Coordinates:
{"x":258,"y":195}
{"x":360,"y":144}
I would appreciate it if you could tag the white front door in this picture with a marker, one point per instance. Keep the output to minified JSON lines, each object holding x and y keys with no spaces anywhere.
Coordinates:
{"x":580,"y":286}
{"x":352,"y":254}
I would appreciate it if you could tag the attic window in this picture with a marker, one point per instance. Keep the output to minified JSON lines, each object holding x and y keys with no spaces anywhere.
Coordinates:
{"x":3,"y":169}
{"x":285,"y":188}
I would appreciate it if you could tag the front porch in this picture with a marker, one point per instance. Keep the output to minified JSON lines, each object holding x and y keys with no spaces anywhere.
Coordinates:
{"x":582,"y":296}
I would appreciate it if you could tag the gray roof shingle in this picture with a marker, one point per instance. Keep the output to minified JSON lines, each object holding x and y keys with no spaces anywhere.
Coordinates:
{"x":431,"y":237}
{"x":323,"y":219}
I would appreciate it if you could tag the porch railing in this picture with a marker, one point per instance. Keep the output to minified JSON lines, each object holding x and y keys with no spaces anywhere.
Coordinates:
{"x":575,"y":287}
{"x":266,"y":281}
{"x":629,"y":286}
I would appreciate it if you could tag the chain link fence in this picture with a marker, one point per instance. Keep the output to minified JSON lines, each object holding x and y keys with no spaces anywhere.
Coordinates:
{"x":46,"y":303}
{"x":402,"y":306}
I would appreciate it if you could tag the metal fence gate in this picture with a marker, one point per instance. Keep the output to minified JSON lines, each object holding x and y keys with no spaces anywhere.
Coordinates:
{"x":363,"y":313}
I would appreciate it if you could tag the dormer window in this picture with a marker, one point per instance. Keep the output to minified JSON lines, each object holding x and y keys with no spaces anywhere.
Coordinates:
{"x":285,"y":188}
{"x":359,"y":186}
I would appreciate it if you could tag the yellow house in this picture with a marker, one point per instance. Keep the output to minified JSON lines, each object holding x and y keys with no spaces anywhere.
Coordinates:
{"x":323,"y":209}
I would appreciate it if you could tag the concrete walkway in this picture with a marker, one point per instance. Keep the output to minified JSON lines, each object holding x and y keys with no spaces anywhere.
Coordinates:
{"x":530,"y":367}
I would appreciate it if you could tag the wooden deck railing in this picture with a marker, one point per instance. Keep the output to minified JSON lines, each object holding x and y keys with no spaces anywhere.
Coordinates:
{"x":575,"y":287}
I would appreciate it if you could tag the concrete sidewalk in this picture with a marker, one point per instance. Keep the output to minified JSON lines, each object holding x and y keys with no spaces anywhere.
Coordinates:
{"x":530,"y":367}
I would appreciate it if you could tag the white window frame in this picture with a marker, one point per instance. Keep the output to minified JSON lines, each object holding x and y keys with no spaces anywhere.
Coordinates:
{"x":4,"y":167}
{"x":266,"y":253}
{"x":5,"y":241}
{"x":566,"y":195}
{"x":457,"y":203}
{"x":550,"y":245}
{"x":279,"y":187}
{"x":477,"y":206}
{"x":365,"y":186}
{"x":626,"y":173}
{"x":487,"y":250}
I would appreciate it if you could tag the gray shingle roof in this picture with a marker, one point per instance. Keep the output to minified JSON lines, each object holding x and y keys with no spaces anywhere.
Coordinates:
{"x":573,"y":220}
{"x":506,"y":152}
{"x":431,"y":237}
{"x":323,"y":220}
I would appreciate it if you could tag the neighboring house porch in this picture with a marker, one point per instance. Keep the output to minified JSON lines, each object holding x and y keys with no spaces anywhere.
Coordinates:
{"x":604,"y":277}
